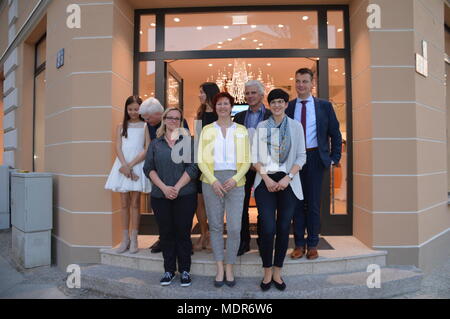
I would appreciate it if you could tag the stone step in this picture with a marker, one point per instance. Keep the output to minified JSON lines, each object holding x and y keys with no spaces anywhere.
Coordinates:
{"x":250,"y":264}
{"x":129,"y":283}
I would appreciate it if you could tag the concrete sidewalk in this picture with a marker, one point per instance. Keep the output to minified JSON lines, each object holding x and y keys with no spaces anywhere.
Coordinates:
{"x":46,"y":282}
{"x":49,"y":282}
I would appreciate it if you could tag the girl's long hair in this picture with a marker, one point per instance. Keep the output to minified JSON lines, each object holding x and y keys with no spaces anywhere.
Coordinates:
{"x":210,"y":89}
{"x":126,"y":116}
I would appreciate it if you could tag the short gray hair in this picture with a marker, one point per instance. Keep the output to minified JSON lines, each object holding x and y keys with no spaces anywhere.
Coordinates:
{"x":258,"y":84}
{"x":151,"y":106}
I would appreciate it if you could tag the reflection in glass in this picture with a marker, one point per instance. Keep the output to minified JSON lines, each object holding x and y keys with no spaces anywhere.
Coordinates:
{"x":338,"y":97}
{"x":39,"y":123}
{"x":234,"y":31}
{"x":147,"y":33}
{"x":335,"y":29}
{"x":40,"y":52}
{"x":173,"y":92}
{"x":281,"y":70}
{"x":147,"y":79}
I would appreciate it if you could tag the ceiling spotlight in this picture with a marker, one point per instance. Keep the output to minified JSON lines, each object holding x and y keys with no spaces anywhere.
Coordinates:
{"x":339,"y":30}
{"x":336,"y":70}
{"x":220,"y":42}
{"x":291,"y":79}
{"x":280,"y":26}
{"x":249,"y":64}
{"x":219,"y":47}
{"x":153,"y":24}
{"x":176,"y":19}
{"x":305,"y":18}
{"x":230,"y":39}
{"x":226,"y":27}
{"x":141,"y":32}
{"x":243,"y":39}
{"x":255,"y":40}
{"x":260,"y":44}
{"x":258,"y":48}
{"x":253,"y":26}
{"x":199,"y":28}
{"x":269,"y":64}
{"x":210,"y":65}
{"x":229,"y":64}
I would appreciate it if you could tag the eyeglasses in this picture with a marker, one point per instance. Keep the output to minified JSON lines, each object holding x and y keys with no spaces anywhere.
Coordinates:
{"x":172,"y":118}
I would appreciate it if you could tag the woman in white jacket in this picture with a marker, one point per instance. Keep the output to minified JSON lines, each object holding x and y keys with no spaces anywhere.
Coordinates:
{"x":278,"y":154}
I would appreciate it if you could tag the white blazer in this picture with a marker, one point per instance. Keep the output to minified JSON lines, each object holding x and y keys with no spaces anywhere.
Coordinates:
{"x":297,"y":154}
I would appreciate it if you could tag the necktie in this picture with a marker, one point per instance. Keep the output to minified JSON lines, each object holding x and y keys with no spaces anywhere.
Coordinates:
{"x":303,"y":118}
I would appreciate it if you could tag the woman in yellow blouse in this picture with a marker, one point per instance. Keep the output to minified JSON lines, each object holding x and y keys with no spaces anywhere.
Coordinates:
{"x":224,"y":159}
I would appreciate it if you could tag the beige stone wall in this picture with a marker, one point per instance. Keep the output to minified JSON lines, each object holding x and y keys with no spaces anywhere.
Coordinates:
{"x":400,"y":139}
{"x":3,"y":29}
{"x":84,"y":104}
{"x":25,"y":8}
{"x":447,"y":68}
{"x":1,"y":118}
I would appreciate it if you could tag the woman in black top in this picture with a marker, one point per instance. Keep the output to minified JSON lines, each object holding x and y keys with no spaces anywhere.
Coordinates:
{"x":174,"y":194}
{"x":206,"y":115}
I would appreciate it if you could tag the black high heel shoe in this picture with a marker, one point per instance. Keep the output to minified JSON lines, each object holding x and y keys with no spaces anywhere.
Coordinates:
{"x":229,"y":283}
{"x":265,"y":287}
{"x":281,"y":286}
{"x":219,"y":284}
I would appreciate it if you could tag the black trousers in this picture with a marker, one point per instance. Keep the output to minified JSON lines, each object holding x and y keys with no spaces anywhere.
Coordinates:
{"x":275,"y":211}
{"x":245,"y":228}
{"x":174,"y":219}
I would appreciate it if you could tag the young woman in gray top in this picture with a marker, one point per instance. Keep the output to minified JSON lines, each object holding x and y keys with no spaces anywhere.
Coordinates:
{"x":174,"y":195}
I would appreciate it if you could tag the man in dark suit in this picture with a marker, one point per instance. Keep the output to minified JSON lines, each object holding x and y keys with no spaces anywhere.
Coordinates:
{"x":257,"y":112}
{"x":321,"y":129}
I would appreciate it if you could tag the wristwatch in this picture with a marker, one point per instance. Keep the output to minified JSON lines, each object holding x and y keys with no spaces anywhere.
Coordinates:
{"x":291,"y":176}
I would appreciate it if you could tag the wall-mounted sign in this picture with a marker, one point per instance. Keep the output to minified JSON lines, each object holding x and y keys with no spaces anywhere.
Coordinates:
{"x":60,"y":59}
{"x":422,"y":60}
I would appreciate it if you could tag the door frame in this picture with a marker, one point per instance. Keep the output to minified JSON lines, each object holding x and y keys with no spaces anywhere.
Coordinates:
{"x":331,"y":224}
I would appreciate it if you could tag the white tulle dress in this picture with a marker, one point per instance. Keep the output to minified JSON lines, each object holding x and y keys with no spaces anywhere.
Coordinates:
{"x":131,"y":147}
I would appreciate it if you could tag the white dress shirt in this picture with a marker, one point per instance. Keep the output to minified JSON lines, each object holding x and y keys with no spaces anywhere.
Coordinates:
{"x":224,"y":149}
{"x":311,"y":129}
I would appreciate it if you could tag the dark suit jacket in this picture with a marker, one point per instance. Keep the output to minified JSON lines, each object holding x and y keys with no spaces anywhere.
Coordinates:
{"x":327,"y":130}
{"x":240,"y":117}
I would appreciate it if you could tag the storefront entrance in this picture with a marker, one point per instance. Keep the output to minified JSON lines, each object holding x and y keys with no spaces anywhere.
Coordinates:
{"x":178,"y":49}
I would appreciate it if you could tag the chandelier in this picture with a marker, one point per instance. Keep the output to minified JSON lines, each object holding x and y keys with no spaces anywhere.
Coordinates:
{"x":234,"y":83}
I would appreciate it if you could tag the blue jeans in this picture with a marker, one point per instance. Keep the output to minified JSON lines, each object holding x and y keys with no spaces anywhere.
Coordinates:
{"x":275,"y":212}
{"x":307,"y":215}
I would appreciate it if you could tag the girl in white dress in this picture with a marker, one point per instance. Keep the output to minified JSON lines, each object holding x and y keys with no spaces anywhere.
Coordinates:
{"x":127,"y":175}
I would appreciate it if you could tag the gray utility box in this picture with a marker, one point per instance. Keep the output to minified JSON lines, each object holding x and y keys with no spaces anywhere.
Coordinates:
{"x":31,"y":215}
{"x":5,"y":213}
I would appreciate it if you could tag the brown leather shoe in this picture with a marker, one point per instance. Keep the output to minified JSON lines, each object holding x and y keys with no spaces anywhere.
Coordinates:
{"x":312,"y":254}
{"x":298,"y":252}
